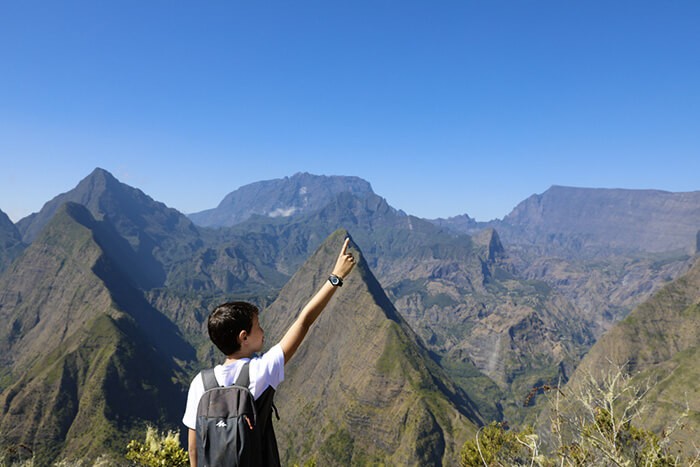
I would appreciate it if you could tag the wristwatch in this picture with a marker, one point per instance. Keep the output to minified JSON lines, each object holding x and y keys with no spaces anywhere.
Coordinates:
{"x":335,"y":280}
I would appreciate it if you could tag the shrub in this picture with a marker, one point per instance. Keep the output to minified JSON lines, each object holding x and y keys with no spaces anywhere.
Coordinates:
{"x":595,"y":424}
{"x":494,"y":444}
{"x":158,"y":450}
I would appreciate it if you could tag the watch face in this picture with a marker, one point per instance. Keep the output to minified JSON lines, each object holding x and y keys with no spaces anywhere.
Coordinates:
{"x":334,"y":280}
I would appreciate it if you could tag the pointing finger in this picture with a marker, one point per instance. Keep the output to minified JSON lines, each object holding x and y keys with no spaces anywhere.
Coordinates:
{"x":345,"y":246}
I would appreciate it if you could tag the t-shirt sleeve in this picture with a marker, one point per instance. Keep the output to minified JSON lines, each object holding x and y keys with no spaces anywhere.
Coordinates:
{"x":193,"y":395}
{"x":267,"y":370}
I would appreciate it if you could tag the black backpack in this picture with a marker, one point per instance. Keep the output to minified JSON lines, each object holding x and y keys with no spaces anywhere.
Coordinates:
{"x":233,"y":429}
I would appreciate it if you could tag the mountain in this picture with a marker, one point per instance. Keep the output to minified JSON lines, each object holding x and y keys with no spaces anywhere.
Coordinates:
{"x":362,"y":388}
{"x":603,"y":220}
{"x":158,"y":234}
{"x":605,"y":250}
{"x":10,"y":241}
{"x":163,"y":253}
{"x":461,"y":223}
{"x":298,"y":194}
{"x":115,"y":286}
{"x":491,"y":329}
{"x":85,"y":359}
{"x":658,"y":342}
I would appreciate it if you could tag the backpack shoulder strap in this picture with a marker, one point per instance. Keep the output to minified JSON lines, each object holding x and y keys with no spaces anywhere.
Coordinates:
{"x":244,"y":376}
{"x":209,"y":379}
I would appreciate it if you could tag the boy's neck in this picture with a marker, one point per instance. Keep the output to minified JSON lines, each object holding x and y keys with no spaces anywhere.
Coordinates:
{"x":235,"y":357}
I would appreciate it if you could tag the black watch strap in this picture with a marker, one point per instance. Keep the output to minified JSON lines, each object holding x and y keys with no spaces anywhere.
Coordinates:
{"x":335,"y":281}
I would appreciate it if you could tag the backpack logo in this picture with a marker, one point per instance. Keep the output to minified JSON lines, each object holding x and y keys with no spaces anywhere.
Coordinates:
{"x":221,"y":424}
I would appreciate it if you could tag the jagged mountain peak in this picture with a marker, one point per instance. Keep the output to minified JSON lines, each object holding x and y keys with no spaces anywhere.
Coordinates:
{"x":461,"y":223}
{"x":360,"y":369}
{"x":89,"y":192}
{"x":489,"y":238}
{"x":285,"y":197}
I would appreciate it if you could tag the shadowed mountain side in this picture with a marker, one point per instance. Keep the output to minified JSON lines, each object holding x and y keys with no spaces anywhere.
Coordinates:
{"x":85,"y":359}
{"x":361,"y":387}
{"x":62,"y":278}
{"x":658,"y":342}
{"x":90,"y":395}
{"x":51,"y":291}
{"x":10,"y":241}
{"x":158,"y":235}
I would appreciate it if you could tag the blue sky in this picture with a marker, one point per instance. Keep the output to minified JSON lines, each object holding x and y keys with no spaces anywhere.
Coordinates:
{"x":445,"y":107}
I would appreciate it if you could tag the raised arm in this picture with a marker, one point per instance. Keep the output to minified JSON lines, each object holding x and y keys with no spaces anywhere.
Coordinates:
{"x":296,"y":333}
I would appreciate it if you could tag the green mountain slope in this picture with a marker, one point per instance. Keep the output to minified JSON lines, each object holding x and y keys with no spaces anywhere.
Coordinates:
{"x":658,"y":342}
{"x":85,"y":359}
{"x":362,"y":388}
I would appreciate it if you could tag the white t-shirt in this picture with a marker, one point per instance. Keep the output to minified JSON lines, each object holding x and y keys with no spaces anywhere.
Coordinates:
{"x":265,"y":371}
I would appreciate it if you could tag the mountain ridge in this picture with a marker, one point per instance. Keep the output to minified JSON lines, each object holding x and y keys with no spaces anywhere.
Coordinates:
{"x":597,"y":220}
{"x":486,"y":319}
{"x":149,"y":226}
{"x":84,"y":363}
{"x":298,"y":194}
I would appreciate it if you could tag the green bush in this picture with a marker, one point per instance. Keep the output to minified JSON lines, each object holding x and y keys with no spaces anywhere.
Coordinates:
{"x":495,"y":445}
{"x":158,"y":450}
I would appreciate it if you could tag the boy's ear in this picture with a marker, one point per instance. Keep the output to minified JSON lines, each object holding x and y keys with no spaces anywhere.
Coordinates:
{"x":243,"y":335}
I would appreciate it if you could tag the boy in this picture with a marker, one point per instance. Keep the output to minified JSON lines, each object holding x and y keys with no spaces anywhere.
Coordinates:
{"x":235,"y":330}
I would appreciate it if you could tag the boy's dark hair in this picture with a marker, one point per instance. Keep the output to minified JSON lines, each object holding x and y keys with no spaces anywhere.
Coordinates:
{"x":227,"y":321}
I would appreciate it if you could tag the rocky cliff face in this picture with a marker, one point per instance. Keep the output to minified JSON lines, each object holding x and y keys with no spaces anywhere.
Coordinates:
{"x":604,"y":220}
{"x":605,"y":290}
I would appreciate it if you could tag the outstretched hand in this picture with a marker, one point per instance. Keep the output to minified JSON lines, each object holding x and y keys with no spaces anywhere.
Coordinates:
{"x":345,"y":261}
